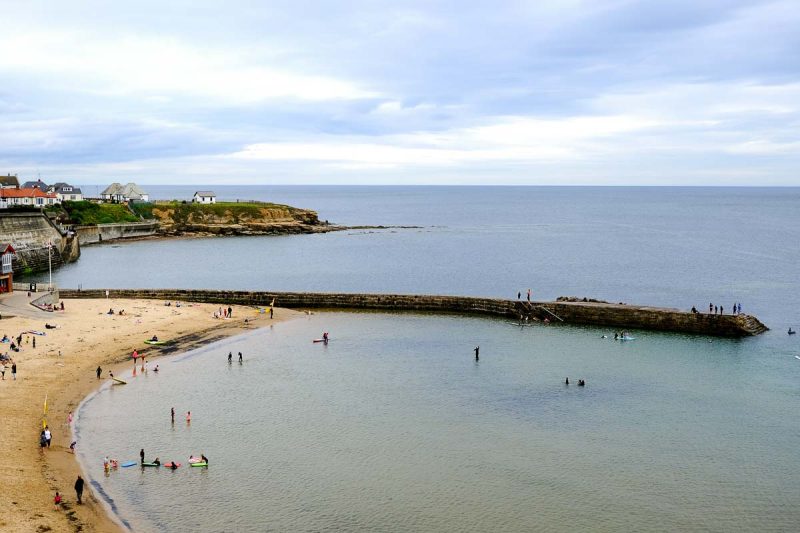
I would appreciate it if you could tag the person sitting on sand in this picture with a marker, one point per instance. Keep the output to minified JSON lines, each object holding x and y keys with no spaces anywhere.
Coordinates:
{"x":121,"y":312}
{"x":110,"y":312}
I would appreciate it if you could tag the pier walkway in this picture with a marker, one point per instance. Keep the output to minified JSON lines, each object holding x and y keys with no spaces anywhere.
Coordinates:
{"x":616,"y":316}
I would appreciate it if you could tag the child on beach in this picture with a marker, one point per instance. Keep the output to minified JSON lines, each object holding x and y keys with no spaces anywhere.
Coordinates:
{"x":57,"y":501}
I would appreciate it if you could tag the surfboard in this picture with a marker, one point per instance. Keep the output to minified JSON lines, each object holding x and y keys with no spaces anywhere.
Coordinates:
{"x":199,"y":464}
{"x":151,"y":464}
{"x":626,"y":339}
{"x":797,"y":356}
{"x":128,"y":463}
{"x":169,"y":465}
{"x":155,"y":343}
{"x":120,"y":381}
{"x":320,"y":340}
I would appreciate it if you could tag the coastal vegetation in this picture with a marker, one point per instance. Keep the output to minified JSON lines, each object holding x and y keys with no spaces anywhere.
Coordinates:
{"x":85,"y":213}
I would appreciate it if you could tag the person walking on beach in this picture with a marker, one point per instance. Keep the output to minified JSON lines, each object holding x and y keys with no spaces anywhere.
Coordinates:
{"x":14,"y":370}
{"x":529,"y":295}
{"x":271,"y":311}
{"x":79,"y":489}
{"x":477,"y":352}
{"x":100,"y":371}
{"x":230,"y":311}
{"x":519,"y":295}
{"x":47,"y":436}
{"x":34,"y":342}
{"x":3,"y":371}
{"x":710,"y":308}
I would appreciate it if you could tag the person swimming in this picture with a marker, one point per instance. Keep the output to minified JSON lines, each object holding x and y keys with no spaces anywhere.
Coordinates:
{"x":791,"y":331}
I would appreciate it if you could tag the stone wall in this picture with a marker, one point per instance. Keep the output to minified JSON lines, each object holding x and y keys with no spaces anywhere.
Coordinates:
{"x":112,"y":232}
{"x":29,"y":234}
{"x":613,"y":316}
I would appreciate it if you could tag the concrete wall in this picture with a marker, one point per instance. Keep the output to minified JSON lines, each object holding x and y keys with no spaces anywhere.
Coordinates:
{"x":112,"y":232}
{"x":608,"y":315}
{"x":29,"y":234}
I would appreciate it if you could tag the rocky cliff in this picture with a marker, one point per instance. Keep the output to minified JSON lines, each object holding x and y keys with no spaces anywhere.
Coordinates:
{"x":232,"y":218}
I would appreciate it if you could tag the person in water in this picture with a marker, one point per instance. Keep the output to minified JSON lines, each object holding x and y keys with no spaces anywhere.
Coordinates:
{"x":141,"y":454}
{"x":566,"y":381}
{"x":204,"y":458}
{"x":172,"y":414}
{"x":188,"y":416}
{"x":157,"y":462}
{"x":325,"y":336}
{"x":791,"y":331}
{"x":477,"y":353}
{"x":173,"y":465}
{"x":240,"y":357}
{"x":230,"y":357}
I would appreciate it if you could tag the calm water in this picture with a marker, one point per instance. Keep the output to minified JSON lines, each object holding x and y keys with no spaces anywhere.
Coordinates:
{"x":393,"y":427}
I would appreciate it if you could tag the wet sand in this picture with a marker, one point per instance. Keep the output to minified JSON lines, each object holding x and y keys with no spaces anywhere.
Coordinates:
{"x":62,"y":368}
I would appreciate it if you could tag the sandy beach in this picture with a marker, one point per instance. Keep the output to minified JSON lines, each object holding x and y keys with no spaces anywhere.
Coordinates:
{"x":62,"y":368}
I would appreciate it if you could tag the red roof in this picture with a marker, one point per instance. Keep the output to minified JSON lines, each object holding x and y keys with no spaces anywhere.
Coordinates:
{"x":25,"y":193}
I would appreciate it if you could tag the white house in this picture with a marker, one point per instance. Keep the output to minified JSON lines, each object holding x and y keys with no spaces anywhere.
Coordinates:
{"x":204,"y":197}
{"x":9,"y":182}
{"x":32,"y":197}
{"x":66,"y":192}
{"x":124,"y":193}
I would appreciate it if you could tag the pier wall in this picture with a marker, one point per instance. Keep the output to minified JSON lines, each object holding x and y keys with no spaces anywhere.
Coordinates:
{"x":29,"y":234}
{"x":616,"y":316}
{"x":112,"y":232}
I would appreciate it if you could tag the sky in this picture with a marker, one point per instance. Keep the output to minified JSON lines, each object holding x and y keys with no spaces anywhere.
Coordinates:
{"x":566,"y":92}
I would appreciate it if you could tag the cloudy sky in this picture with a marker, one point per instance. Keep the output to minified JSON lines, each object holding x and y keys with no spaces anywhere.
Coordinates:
{"x":684,"y":92}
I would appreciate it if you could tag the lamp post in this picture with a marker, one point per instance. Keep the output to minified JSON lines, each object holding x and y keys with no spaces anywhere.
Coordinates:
{"x":50,"y":264}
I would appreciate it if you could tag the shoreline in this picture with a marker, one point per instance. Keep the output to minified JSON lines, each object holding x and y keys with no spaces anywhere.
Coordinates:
{"x":30,"y":475}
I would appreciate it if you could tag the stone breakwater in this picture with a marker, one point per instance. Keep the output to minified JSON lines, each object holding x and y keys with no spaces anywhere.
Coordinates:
{"x":616,"y":316}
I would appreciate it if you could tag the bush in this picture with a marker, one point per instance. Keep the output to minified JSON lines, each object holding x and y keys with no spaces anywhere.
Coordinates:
{"x":89,"y":213}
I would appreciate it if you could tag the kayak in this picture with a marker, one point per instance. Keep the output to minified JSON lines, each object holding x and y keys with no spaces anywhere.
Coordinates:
{"x":155,"y":343}
{"x":151,"y":464}
{"x":200,"y":464}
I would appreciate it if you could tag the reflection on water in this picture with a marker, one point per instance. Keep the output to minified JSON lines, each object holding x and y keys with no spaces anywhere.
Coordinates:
{"x":393,"y":426}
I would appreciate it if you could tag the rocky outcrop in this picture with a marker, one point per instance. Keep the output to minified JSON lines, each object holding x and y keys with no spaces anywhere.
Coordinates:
{"x":236,"y":219}
{"x":615,"y":316}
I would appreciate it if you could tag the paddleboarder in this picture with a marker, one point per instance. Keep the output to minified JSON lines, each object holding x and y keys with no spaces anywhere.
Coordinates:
{"x":477,"y":352}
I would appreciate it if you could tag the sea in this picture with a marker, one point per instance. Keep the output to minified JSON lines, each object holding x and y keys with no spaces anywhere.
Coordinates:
{"x":393,"y":425}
